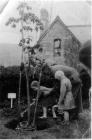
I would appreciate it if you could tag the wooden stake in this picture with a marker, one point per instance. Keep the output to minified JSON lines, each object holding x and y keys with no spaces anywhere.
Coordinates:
{"x":19,"y":92}
{"x":36,"y":103}
{"x":11,"y":102}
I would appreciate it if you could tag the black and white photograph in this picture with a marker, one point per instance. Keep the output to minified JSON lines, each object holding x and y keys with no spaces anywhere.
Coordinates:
{"x":45,"y":69}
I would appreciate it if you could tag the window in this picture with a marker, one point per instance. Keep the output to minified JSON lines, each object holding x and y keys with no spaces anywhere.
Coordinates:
{"x":57,"y":47}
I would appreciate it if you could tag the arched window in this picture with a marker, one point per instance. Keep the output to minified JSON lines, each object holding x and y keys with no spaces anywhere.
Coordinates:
{"x":57,"y":47}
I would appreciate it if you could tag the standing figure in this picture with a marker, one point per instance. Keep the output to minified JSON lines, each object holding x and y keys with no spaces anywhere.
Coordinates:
{"x":66,"y":101}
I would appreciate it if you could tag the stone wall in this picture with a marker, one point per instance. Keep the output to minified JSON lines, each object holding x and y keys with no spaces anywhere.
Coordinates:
{"x":47,"y":43}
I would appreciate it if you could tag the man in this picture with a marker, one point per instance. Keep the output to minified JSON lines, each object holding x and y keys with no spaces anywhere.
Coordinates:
{"x":66,"y":101}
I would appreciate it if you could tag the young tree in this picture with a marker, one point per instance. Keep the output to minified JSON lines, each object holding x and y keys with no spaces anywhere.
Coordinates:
{"x":28,"y":22}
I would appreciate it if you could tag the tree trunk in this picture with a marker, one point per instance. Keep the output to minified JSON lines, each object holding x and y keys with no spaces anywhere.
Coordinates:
{"x":28,"y":95}
{"x":37,"y":97}
{"x":19,"y":93}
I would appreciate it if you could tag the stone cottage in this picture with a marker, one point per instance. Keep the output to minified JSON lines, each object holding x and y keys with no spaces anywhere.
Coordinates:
{"x":59,"y":44}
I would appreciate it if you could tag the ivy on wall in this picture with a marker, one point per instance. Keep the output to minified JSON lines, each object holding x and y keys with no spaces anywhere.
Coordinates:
{"x":71,"y":51}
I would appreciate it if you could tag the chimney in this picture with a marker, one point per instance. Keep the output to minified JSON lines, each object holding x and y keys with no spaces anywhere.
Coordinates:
{"x":44,"y":16}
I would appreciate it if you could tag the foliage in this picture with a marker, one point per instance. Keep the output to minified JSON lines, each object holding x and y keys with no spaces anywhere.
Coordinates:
{"x":27,"y":17}
{"x":28,"y":22}
{"x":72,"y":47}
{"x":12,"y":112}
{"x":9,"y":79}
{"x":8,"y":112}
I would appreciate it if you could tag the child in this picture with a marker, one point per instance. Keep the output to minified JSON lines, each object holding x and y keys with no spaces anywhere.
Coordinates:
{"x":47,"y":97}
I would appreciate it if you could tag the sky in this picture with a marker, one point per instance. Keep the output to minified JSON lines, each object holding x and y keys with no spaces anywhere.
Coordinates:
{"x":71,"y":13}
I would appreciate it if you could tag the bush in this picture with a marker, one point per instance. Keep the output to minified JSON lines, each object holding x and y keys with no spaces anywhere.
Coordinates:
{"x":47,"y":76}
{"x":9,"y":81}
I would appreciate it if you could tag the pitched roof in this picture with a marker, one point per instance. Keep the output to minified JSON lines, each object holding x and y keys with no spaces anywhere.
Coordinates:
{"x":57,"y":19}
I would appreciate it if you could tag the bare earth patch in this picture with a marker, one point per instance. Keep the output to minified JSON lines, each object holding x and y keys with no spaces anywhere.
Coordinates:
{"x":76,"y":129}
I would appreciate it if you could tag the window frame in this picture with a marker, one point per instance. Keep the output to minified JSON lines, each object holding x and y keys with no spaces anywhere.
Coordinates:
{"x":58,"y":49}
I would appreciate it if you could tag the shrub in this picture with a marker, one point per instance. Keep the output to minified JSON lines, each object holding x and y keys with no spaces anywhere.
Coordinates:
{"x":9,"y":80}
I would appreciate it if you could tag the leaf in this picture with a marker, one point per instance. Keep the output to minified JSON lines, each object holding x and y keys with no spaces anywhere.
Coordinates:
{"x":40,"y":49}
{"x":23,"y":40}
{"x":41,"y":28}
{"x":17,"y":20}
{"x":20,"y":30}
{"x":28,"y":7}
{"x":14,"y":25}
{"x":28,"y":47}
{"x":32,"y":51}
{"x":31,"y":29}
{"x":28,"y":42}
{"x":36,"y":28}
{"x":20,"y":44}
{"x":7,"y":23}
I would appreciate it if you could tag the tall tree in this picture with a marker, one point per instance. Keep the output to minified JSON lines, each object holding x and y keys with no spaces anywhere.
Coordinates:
{"x":28,"y":22}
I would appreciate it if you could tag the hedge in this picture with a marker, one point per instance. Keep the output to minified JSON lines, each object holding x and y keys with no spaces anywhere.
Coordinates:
{"x":9,"y":80}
